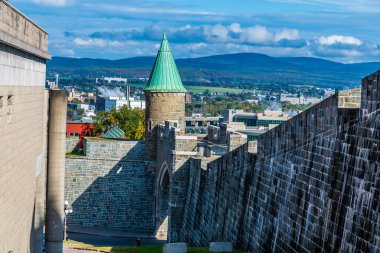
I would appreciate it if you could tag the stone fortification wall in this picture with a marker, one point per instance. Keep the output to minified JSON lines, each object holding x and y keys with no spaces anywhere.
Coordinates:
{"x":173,"y":153}
{"x":71,"y":144}
{"x":99,"y":148}
{"x":111,"y":186}
{"x":350,"y":98}
{"x":314,"y":186}
{"x":216,"y":197}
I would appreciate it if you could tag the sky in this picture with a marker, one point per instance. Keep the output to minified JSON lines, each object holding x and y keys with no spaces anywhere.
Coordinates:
{"x":340,"y":30}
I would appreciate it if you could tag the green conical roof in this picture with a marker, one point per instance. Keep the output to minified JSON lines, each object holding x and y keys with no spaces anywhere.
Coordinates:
{"x":164,"y":76}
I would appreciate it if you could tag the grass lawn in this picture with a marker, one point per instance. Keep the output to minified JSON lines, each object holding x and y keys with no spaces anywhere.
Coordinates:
{"x":143,"y":249}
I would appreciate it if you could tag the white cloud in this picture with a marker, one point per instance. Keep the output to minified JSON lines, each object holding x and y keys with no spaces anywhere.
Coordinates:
{"x":257,"y":34}
{"x":235,"y":27}
{"x":339,"y":39}
{"x":371,"y":6}
{"x":233,"y":33}
{"x":217,"y":33}
{"x":96,"y":43}
{"x":287,"y":34}
{"x":52,"y":2}
{"x":115,"y":8}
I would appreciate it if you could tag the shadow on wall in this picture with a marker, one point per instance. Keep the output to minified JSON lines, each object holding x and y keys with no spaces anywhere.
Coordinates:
{"x":110,"y":193}
{"x":179,"y":181}
{"x":162,"y":202}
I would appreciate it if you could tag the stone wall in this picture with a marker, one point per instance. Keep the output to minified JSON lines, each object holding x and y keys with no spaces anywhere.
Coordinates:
{"x":173,"y":158}
{"x":162,"y":107}
{"x":71,"y":144}
{"x":350,"y":98}
{"x":111,"y":186}
{"x":313,"y":187}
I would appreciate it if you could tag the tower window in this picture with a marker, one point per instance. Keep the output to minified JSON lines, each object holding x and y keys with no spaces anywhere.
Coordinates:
{"x":150,"y":125}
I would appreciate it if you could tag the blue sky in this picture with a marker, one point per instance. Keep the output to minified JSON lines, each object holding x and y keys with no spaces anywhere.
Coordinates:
{"x":341,"y":30}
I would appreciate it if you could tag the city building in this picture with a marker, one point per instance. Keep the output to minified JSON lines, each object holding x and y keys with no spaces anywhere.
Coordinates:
{"x":271,"y":118}
{"x":299,"y":100}
{"x":233,"y":115}
{"x":266,"y":119}
{"x":78,"y":128}
{"x":118,"y":102}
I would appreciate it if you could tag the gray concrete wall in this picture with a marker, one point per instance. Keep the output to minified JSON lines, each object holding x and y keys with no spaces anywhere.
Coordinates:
{"x":110,"y":186}
{"x":55,"y":176}
{"x":22,"y":165}
{"x":20,"y":32}
{"x":313,"y":186}
{"x":23,"y":118}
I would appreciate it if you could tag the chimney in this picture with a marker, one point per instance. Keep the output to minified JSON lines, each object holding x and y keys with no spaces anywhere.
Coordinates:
{"x":127,"y":94}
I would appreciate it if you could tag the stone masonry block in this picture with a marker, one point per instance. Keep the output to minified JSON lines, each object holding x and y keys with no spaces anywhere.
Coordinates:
{"x":221,"y":247}
{"x":175,"y":248}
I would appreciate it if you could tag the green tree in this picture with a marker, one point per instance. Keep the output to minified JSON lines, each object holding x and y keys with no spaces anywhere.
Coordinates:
{"x":80,"y":111}
{"x":131,"y":121}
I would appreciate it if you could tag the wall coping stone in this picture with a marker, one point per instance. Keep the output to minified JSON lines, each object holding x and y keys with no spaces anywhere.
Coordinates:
{"x":175,"y":247}
{"x":184,"y":153}
{"x":221,"y":247}
{"x":186,"y":137}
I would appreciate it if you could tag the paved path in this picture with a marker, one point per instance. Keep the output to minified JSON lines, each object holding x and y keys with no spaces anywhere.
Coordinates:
{"x":67,"y":249}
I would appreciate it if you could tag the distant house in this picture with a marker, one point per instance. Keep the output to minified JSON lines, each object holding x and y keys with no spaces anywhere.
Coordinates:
{"x":78,"y":128}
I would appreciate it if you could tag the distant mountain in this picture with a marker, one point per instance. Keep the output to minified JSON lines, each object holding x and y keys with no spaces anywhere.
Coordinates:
{"x":227,"y":70}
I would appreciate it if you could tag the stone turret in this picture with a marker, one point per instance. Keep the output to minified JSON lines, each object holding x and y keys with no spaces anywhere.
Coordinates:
{"x":164,"y":95}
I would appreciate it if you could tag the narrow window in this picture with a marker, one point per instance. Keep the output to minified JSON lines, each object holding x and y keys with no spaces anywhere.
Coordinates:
{"x":150,"y":125}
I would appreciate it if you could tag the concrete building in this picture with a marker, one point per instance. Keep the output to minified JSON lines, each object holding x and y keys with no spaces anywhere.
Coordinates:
{"x":269,"y":118}
{"x":234,"y":115}
{"x":118,"y":102}
{"x":23,"y":128}
{"x":299,"y":100}
{"x":31,"y":140}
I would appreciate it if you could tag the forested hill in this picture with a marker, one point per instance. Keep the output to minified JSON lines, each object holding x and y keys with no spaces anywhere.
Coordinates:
{"x":227,"y":70}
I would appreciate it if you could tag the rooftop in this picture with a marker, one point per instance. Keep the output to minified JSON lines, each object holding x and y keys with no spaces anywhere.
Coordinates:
{"x":165,"y":76}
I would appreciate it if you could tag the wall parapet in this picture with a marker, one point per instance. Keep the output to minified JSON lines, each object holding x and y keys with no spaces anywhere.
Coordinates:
{"x":20,"y":32}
